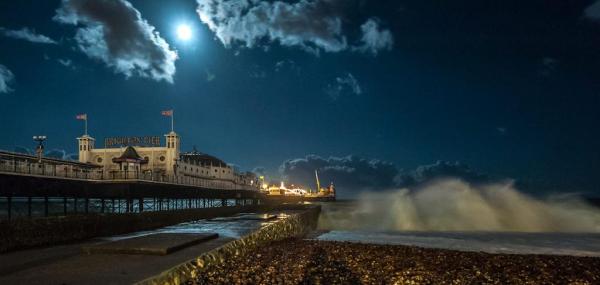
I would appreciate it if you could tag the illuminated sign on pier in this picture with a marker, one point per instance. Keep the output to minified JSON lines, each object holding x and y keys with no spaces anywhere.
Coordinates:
{"x":153,"y":141}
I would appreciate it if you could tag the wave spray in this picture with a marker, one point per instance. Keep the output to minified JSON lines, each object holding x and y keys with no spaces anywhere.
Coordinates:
{"x":454,"y":205}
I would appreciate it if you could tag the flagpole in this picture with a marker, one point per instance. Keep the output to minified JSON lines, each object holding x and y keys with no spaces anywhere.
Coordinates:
{"x":172,"y":119}
{"x":86,"y":125}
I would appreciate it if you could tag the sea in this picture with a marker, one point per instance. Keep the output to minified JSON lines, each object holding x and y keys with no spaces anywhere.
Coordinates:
{"x":446,"y":215}
{"x":355,"y":221}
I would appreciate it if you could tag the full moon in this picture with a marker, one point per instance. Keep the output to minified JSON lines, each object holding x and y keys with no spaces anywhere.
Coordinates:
{"x":184,"y":32}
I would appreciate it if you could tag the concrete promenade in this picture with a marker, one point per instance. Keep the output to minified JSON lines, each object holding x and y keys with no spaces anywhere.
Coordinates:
{"x":70,"y":264}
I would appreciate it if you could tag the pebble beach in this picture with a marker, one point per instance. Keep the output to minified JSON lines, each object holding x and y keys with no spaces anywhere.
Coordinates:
{"x":298,"y":261}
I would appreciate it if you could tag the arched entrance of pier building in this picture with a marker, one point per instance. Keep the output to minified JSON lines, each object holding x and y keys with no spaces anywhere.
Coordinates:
{"x":130,"y":163}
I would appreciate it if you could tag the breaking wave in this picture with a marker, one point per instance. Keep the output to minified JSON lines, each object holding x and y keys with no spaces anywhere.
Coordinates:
{"x":454,"y":205}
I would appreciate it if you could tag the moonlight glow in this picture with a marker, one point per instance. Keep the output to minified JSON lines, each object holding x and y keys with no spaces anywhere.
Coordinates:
{"x":184,"y":32}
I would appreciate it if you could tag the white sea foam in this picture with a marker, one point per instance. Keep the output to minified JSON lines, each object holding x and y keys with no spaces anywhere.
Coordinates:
{"x":454,"y":205}
{"x":576,"y":244}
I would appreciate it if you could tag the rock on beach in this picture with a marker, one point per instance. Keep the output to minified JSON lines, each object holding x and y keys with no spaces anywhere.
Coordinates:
{"x":297,"y":261}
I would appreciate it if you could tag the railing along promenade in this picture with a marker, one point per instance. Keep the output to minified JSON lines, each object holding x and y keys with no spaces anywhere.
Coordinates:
{"x":29,"y":188}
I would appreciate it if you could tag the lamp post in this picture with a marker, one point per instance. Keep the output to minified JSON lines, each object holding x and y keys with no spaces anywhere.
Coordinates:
{"x":40,"y":147}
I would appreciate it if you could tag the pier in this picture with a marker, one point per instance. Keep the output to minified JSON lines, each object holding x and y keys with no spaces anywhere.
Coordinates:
{"x":69,"y":221}
{"x":132,"y":221}
{"x":32,"y":187}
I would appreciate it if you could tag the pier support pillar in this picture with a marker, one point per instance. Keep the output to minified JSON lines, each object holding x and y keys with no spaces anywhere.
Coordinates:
{"x":29,"y":207}
{"x":9,"y":206}
{"x":45,"y":206}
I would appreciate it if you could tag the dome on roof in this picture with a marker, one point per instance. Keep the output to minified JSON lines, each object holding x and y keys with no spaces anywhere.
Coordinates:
{"x":202,"y":158}
{"x":130,"y":155}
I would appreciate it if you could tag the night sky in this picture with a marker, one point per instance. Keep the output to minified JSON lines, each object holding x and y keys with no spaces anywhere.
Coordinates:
{"x":368,"y":92}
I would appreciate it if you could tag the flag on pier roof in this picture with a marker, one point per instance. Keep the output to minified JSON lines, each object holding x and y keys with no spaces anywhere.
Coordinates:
{"x":81,"y":117}
{"x":167,"y":113}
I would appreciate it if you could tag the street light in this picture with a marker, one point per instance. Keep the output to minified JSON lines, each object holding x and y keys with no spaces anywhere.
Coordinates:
{"x":40,"y":147}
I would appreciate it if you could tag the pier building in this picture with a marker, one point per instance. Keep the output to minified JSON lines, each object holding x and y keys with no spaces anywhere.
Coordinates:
{"x":126,"y":157}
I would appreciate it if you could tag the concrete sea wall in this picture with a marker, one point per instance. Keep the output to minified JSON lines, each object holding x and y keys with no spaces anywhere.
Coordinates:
{"x":26,"y":233}
{"x":295,"y":225}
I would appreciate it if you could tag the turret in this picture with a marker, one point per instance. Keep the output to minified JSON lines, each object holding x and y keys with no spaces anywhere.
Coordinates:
{"x":86,"y":145}
{"x":173,"y":145}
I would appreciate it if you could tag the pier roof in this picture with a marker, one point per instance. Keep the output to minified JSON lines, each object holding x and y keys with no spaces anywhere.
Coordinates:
{"x":130,"y":155}
{"x":202,"y":159}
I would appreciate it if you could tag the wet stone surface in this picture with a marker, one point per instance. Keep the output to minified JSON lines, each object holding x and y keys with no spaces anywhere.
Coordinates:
{"x":296,"y":261}
{"x":247,"y":216}
{"x":232,"y":227}
{"x":154,"y":244}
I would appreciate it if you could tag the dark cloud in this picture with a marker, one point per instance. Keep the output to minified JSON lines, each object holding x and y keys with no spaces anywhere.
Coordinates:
{"x":259,"y":170}
{"x":22,"y":149}
{"x":313,"y":25}
{"x":353,"y":174}
{"x":27,"y":35}
{"x":116,"y":33}
{"x":287,"y":65}
{"x":61,"y":154}
{"x":257,"y":72}
{"x":439,"y":170}
{"x":53,"y":153}
{"x":6,"y":79}
{"x":345,"y":83}
{"x":56,"y":153}
{"x":350,"y":173}
{"x":592,"y":12}
{"x":375,"y":39}
{"x":66,"y":62}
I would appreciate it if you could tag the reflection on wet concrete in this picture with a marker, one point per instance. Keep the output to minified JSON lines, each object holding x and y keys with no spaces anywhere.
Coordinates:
{"x":232,"y":227}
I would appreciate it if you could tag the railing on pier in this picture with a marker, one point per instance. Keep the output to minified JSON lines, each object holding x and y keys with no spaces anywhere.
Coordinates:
{"x":32,"y":207}
{"x":73,"y":170}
